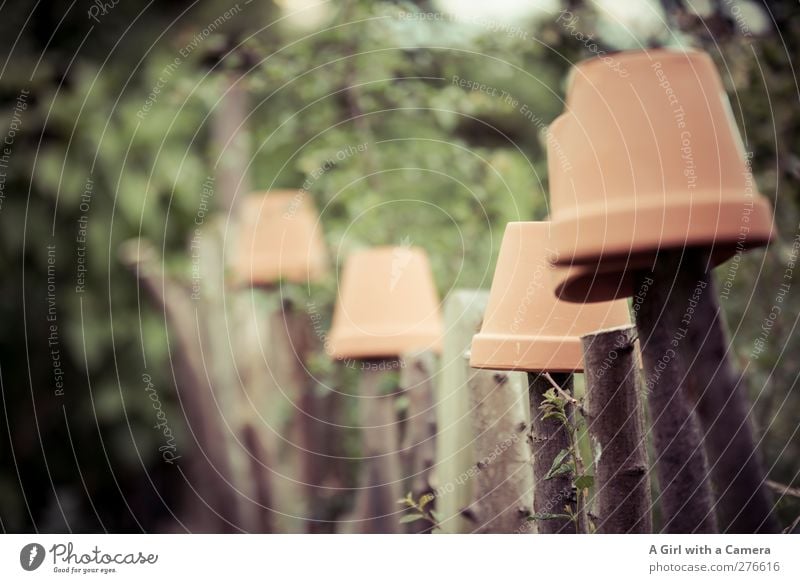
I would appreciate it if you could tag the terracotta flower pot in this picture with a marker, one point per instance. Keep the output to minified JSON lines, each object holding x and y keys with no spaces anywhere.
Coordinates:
{"x":647,"y":162}
{"x":525,"y":326}
{"x":387,"y":305}
{"x":279,"y":238}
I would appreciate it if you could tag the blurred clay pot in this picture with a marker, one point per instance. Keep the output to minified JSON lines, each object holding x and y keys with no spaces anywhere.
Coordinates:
{"x":279,"y":238}
{"x":649,"y":161}
{"x":525,"y":326}
{"x":387,"y":305}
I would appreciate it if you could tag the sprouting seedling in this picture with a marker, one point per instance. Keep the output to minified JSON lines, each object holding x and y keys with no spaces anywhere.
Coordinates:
{"x":32,"y":556}
{"x":419,"y":510}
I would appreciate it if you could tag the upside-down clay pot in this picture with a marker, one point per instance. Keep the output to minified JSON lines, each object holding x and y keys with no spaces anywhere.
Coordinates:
{"x":387,"y":305}
{"x":279,"y":238}
{"x":644,"y":162}
{"x":525,"y":326}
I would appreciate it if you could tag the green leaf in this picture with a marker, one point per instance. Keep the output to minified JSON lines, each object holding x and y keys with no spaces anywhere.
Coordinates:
{"x":558,"y":415}
{"x":411,"y":518}
{"x":559,"y":471}
{"x":584,"y":481}
{"x":424,"y":500}
{"x":557,"y":461}
{"x":559,"y":466}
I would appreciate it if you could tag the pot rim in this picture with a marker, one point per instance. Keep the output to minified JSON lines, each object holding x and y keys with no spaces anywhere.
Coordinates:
{"x":694,"y":221}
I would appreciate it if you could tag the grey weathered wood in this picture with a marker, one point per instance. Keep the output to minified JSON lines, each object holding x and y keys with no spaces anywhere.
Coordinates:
{"x":377,"y":503}
{"x":262,"y":482}
{"x":502,"y":464}
{"x":309,"y":429}
{"x":207,"y":459}
{"x":744,"y":504}
{"x":685,"y":495}
{"x":290,"y":343}
{"x":548,"y":438}
{"x":220,"y":359}
{"x":463,"y":312}
{"x":249,"y":347}
{"x":614,"y":417}
{"x":419,"y":441}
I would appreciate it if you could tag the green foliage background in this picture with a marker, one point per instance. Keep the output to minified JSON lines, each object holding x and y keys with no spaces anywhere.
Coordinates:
{"x":443,"y":168}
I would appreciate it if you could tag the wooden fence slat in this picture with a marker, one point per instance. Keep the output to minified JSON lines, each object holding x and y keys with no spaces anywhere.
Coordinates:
{"x":744,"y":505}
{"x":615,"y":422}
{"x":419,"y":444}
{"x":685,"y":495}
{"x":463,"y":312}
{"x":503,"y":473}
{"x":548,"y":438}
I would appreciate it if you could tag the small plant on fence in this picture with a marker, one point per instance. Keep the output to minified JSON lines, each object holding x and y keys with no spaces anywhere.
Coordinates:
{"x":569,"y":460}
{"x":419,"y":510}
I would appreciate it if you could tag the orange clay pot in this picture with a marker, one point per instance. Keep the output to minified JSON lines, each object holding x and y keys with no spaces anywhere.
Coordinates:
{"x":645,"y":162}
{"x":525,"y":326}
{"x":387,"y":305}
{"x":280,"y":238}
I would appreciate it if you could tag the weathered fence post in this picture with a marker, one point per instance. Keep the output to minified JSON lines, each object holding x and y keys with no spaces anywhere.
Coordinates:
{"x":211,"y":473}
{"x":307,"y":429}
{"x":248,"y":458}
{"x":418,"y":449}
{"x":550,"y":437}
{"x":615,"y":422}
{"x":260,"y":472}
{"x":290,"y":342}
{"x":377,"y":508}
{"x":483,"y":475}
{"x":249,"y":346}
{"x":684,"y":493}
{"x":463,"y":311}
{"x":743,"y":502}
{"x":502,"y":468}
